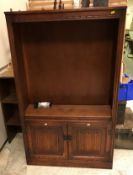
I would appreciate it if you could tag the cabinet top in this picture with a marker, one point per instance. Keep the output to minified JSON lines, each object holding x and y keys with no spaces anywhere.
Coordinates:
{"x":80,"y":9}
{"x":66,"y":14}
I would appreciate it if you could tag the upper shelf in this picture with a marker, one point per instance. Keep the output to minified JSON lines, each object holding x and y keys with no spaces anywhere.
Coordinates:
{"x":10,"y":99}
{"x":7,"y":73}
{"x":69,"y":112}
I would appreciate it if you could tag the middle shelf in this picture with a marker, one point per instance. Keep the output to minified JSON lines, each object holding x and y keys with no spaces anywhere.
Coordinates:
{"x":13,"y":121}
{"x":69,"y":112}
{"x":10,"y":99}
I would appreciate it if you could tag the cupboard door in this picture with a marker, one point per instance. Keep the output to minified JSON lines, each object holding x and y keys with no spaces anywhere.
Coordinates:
{"x":90,"y":140}
{"x":45,"y":139}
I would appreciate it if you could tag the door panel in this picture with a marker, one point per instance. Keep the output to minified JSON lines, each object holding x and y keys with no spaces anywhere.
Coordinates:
{"x":90,"y":140}
{"x":45,"y":139}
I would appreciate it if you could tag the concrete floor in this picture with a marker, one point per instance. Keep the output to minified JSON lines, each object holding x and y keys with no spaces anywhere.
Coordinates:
{"x":12,"y":162}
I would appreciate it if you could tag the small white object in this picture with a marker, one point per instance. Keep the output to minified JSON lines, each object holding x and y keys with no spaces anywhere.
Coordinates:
{"x":43,"y":104}
{"x":45,"y":124}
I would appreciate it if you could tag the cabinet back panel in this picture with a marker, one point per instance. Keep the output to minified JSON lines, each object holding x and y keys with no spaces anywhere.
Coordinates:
{"x":70,"y":62}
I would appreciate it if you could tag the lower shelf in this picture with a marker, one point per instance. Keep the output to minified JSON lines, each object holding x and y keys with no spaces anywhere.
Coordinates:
{"x":12,"y":131}
{"x":10,"y":99}
{"x":13,"y":121}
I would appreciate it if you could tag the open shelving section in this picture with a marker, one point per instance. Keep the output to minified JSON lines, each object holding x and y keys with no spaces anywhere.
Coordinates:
{"x":9,"y":103}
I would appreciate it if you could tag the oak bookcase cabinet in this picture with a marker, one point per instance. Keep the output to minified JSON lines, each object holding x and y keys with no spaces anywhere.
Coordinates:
{"x":72,"y":59}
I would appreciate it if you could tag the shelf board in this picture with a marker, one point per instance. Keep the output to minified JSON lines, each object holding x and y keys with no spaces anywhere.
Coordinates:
{"x":69,"y":111}
{"x":13,"y":121}
{"x":7,"y":73}
{"x":10,"y":99}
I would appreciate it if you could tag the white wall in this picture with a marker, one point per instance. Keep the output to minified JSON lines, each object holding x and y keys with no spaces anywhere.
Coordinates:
{"x":4,"y":47}
{"x":5,"y":56}
{"x":129,"y":14}
{"x":5,"y":5}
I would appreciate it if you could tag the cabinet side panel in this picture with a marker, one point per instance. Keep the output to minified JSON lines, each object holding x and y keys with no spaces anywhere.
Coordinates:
{"x":19,"y":71}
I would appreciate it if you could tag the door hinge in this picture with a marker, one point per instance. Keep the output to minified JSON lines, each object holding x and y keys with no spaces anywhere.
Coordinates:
{"x":67,"y":137}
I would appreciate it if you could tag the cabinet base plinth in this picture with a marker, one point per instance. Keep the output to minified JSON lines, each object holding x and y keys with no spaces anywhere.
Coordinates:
{"x":67,"y":163}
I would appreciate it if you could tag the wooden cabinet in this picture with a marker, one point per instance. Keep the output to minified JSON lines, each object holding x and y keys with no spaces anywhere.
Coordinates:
{"x":67,"y":141}
{"x":90,"y":140}
{"x":70,"y":58}
{"x":46,"y":139}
